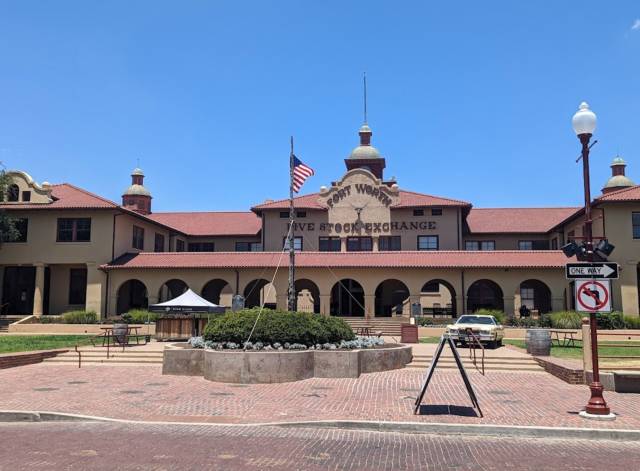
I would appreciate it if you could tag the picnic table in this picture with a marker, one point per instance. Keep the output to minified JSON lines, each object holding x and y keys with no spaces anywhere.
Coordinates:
{"x":366,"y":332}
{"x":564,"y":337}
{"x":132,"y":331}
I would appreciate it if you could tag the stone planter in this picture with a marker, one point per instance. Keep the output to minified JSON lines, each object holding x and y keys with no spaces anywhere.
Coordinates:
{"x":235,"y":366}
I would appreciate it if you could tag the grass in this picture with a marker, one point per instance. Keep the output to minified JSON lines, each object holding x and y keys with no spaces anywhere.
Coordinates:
{"x":429,"y":339}
{"x":576,"y":352}
{"x":27,"y":343}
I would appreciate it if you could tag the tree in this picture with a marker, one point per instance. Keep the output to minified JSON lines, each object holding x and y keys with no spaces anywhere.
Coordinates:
{"x":8,"y":230}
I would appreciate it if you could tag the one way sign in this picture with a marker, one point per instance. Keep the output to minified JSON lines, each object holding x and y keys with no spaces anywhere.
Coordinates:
{"x":592,"y":271}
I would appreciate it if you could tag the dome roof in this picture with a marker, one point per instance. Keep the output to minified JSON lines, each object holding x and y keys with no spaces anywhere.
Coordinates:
{"x":137,"y":171}
{"x":137,"y":190}
{"x":618,"y":161}
{"x":365,"y":152}
{"x":619,"y":181}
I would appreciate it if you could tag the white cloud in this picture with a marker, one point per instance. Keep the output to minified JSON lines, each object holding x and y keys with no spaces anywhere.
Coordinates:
{"x":636,"y":24}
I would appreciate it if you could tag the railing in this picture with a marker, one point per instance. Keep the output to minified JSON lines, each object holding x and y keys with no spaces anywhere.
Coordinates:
{"x":108,"y":337}
{"x":475,"y":343}
{"x":619,"y":344}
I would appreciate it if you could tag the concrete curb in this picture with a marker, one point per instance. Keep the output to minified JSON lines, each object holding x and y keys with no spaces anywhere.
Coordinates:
{"x":362,"y":425}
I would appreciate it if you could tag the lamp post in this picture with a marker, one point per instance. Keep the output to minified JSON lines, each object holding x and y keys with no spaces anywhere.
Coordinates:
{"x":584,"y":123}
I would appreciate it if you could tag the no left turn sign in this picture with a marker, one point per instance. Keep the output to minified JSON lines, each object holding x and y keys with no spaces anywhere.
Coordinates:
{"x":593,"y":296}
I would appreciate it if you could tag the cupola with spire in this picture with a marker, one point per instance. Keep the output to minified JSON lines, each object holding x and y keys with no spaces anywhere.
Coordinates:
{"x":618,"y":179}
{"x":137,"y":198}
{"x":365,"y":155}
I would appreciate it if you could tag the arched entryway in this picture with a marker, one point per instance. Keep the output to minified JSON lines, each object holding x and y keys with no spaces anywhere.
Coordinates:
{"x":485,"y":294}
{"x":171,"y":289}
{"x":260,"y":291}
{"x":308,"y":296}
{"x":391,"y":297}
{"x":347,"y":298}
{"x":132,"y":294}
{"x":218,"y":292}
{"x":535,"y":295}
{"x":438,"y":298}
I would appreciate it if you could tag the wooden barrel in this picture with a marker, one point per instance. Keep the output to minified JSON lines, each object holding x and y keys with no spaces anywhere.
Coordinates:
{"x":120,"y":333}
{"x":539,"y":342}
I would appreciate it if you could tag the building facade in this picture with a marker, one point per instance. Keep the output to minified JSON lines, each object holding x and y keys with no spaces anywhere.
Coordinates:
{"x":365,"y":247}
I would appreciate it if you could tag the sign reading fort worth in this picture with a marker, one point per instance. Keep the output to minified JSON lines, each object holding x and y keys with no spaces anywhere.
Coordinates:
{"x":360,"y":188}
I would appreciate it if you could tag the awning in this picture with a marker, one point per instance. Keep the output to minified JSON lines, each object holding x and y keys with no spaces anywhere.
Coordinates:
{"x":187,"y":302}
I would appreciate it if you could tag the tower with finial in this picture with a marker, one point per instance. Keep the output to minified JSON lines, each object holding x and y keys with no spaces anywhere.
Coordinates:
{"x":365,"y":155}
{"x":618,"y":178}
{"x":137,"y":198}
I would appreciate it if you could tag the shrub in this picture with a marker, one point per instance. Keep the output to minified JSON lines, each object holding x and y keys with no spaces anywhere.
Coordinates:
{"x":610,"y":320}
{"x":79,"y":317}
{"x":424,"y":321}
{"x":631,"y":322}
{"x":277,"y":327}
{"x":566,"y":320}
{"x":500,"y":316}
{"x":139,"y":316}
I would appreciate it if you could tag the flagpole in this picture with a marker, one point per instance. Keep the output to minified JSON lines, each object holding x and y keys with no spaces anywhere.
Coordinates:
{"x":291,"y":294}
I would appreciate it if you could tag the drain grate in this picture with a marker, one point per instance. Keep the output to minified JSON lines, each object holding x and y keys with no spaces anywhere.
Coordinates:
{"x":157,"y":384}
{"x":45,"y":389}
{"x":77,"y":382}
{"x":221,"y":394}
{"x":314,"y":395}
{"x":131,"y":391}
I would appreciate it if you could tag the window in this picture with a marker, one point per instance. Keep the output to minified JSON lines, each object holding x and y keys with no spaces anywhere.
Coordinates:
{"x":179,"y":245}
{"x":359,"y":244}
{"x":571,"y":235}
{"x":22,"y":226}
{"x":13,"y":192}
{"x":74,"y":230}
{"x":472,"y":245}
{"x":533,"y":245}
{"x":158,"y":245}
{"x":554,"y":244}
{"x":301,"y":214}
{"x":297,"y":243}
{"x":329,"y":244}
{"x":26,"y":196}
{"x":389,"y":243}
{"x":138,"y":238}
{"x":427,"y":242}
{"x":201,"y":247}
{"x":248,"y":247}
{"x":527,"y":297}
{"x":418,"y":212}
{"x":284,"y":214}
{"x":77,"y":285}
{"x":635,"y":221}
{"x":436,"y":212}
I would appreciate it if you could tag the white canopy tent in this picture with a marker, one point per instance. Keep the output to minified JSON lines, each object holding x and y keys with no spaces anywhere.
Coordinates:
{"x":187,"y":302}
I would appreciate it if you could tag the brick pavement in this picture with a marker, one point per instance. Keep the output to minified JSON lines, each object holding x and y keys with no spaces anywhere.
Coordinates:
{"x":88,"y":446}
{"x":142,"y":393}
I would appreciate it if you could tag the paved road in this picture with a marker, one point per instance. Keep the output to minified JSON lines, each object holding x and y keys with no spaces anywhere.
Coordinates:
{"x":88,"y":446}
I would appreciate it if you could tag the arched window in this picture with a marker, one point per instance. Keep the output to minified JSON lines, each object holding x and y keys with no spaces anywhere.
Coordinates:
{"x":13,"y":192}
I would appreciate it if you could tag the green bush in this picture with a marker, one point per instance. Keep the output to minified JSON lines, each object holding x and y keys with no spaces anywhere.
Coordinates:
{"x":610,"y":320}
{"x":79,"y":317}
{"x":565,"y":320}
{"x":631,"y":322}
{"x":500,"y":316}
{"x":277,"y":326}
{"x":139,"y":316}
{"x":424,"y":321}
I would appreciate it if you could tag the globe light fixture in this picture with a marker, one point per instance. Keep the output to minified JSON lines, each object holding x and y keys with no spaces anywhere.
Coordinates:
{"x":584,"y":121}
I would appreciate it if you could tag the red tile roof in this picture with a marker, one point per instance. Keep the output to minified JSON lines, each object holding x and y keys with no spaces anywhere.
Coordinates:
{"x":627,"y":194}
{"x":408,"y":199}
{"x":436,"y":259}
{"x":516,"y":220}
{"x":67,"y":196}
{"x":220,"y":223}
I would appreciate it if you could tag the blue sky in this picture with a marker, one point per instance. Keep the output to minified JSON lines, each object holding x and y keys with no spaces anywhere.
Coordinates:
{"x":469,"y":100}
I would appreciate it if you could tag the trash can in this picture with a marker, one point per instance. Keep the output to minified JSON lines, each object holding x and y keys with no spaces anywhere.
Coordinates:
{"x":408,"y":333}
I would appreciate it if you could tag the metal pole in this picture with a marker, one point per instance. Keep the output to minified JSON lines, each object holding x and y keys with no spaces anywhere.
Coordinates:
{"x":291,"y":293}
{"x":596,"y":405}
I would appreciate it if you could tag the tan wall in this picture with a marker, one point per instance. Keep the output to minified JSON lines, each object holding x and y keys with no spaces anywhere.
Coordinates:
{"x":124,"y":235}
{"x":627,"y":254}
{"x":221,"y":244}
{"x":505,"y":241}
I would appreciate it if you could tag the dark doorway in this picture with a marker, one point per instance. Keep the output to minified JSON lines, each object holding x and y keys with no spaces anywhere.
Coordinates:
{"x":347,"y":298}
{"x":132,"y":294}
{"x":484,"y":294}
{"x":18,"y":289}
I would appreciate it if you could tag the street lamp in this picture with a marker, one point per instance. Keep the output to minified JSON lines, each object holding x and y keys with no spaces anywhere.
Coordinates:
{"x":584,"y":123}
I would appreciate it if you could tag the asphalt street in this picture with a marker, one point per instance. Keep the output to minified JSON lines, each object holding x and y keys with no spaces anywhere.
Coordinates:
{"x":127,"y":446}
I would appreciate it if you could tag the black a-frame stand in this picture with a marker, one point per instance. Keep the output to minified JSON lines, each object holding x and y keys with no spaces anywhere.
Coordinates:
{"x":434,"y":361}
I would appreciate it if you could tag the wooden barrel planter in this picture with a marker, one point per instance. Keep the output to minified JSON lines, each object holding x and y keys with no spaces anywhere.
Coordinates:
{"x":180,"y":327}
{"x":538,"y":342}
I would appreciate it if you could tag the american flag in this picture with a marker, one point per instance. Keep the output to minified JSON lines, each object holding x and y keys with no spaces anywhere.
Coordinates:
{"x":300,"y":173}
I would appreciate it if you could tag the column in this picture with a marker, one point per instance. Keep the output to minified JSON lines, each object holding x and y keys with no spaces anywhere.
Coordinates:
{"x":376,"y":244}
{"x":38,"y":293}
{"x":369,"y":306}
{"x":96,"y":283}
{"x":508,"y":302}
{"x":282,"y":301}
{"x":343,"y":244}
{"x":325,"y":304}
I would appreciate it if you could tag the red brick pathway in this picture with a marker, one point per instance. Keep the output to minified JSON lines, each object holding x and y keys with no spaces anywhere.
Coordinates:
{"x":89,"y":446}
{"x":142,"y":393}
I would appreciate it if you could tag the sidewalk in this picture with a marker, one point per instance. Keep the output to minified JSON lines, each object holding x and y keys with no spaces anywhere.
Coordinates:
{"x":142,"y":393}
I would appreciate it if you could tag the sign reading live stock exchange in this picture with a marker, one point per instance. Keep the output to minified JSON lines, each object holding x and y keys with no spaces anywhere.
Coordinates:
{"x":374,"y":227}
